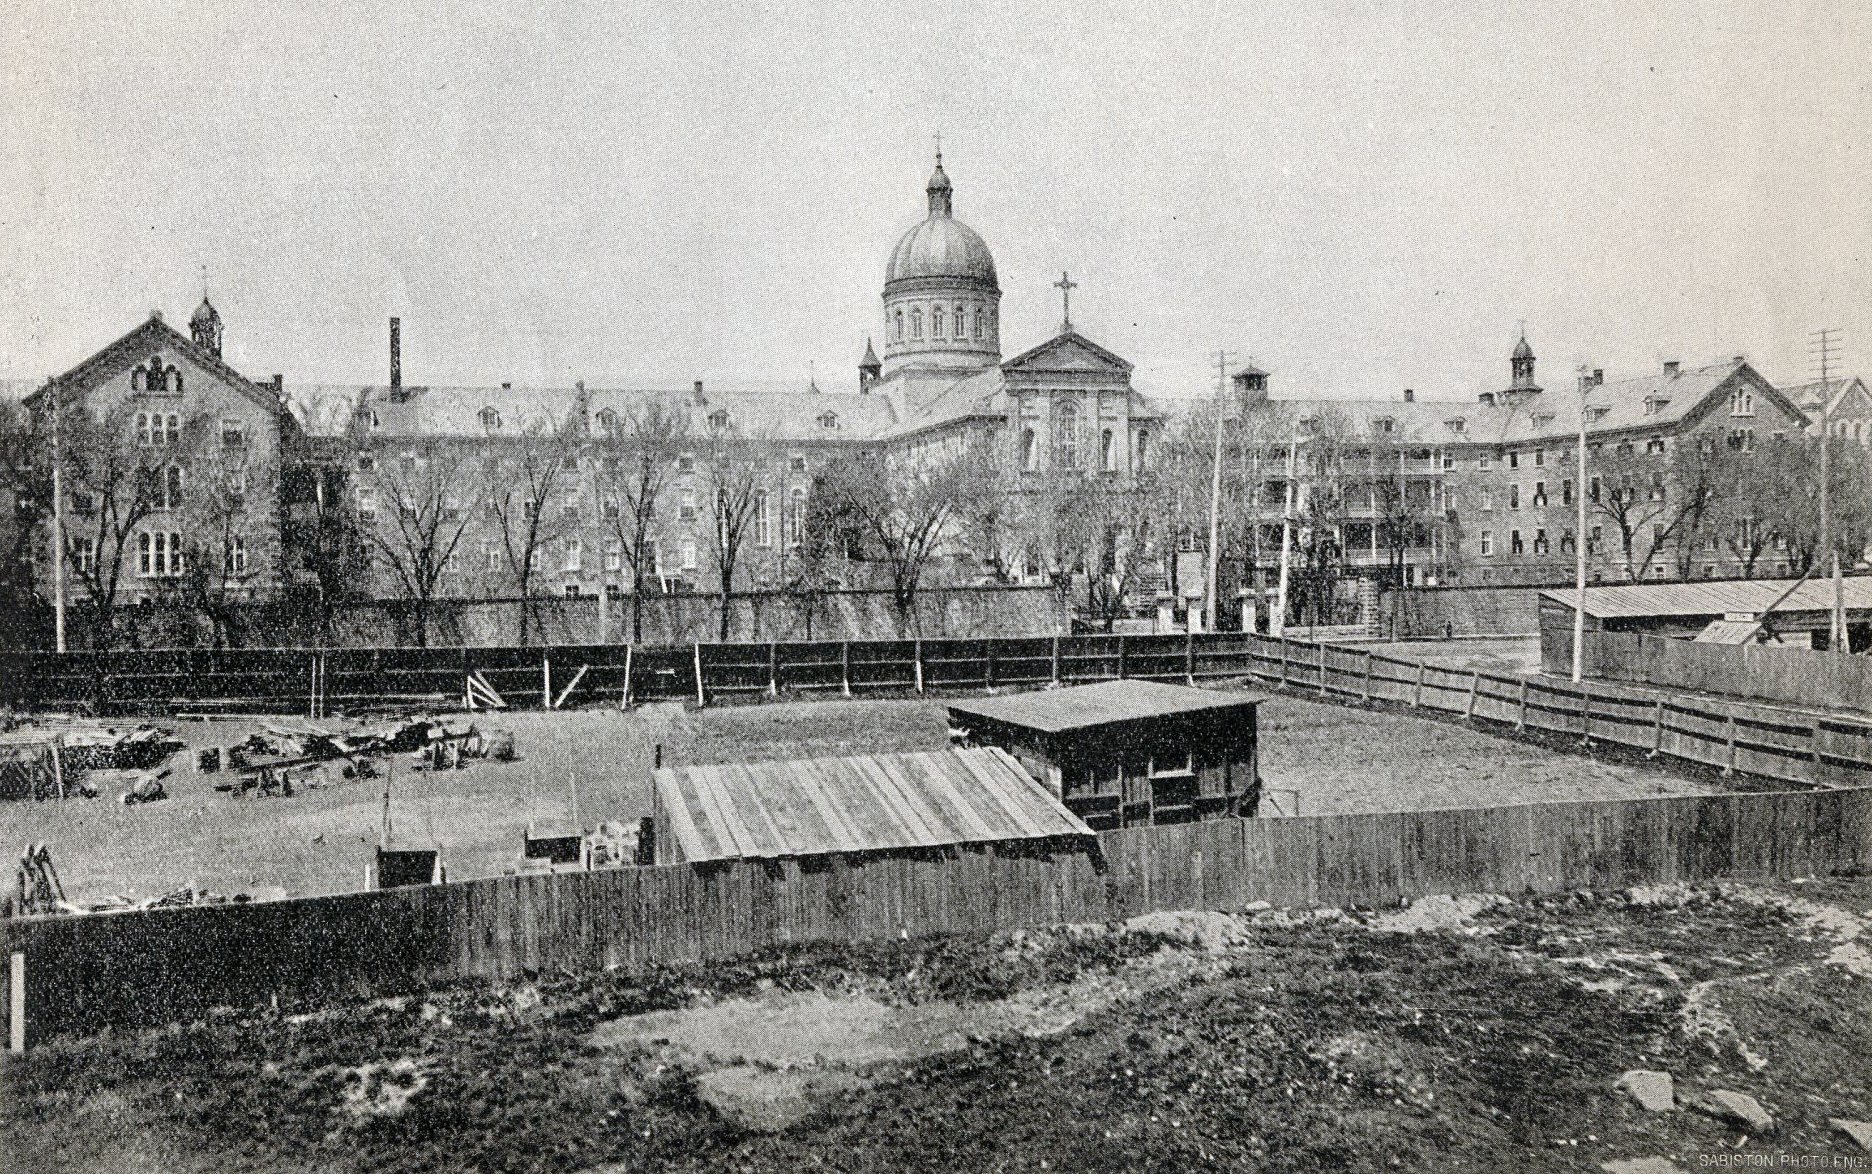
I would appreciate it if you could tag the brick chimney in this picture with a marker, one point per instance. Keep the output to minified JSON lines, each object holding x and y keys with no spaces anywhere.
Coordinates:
{"x":396,"y":354}
{"x":1410,"y":397}
{"x":1670,"y":367}
{"x":698,"y":399}
{"x":1598,"y":376}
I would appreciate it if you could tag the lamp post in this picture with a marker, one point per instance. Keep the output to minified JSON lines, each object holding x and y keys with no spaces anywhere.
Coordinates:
{"x":1579,"y":534}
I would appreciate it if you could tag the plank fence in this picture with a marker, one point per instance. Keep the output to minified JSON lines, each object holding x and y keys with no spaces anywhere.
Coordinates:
{"x":1734,"y":737}
{"x":1793,"y":675}
{"x":89,"y":973}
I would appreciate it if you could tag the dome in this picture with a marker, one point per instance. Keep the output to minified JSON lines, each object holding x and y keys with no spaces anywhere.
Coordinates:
{"x":204,"y":313}
{"x":1523,"y":350}
{"x":942,"y":247}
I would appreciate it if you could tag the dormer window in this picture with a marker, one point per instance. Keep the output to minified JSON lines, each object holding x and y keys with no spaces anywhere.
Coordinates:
{"x":367,"y":416}
{"x":1307,"y":423}
{"x":1385,"y":424}
{"x":1457,"y":425}
{"x":490,"y":419}
{"x":1599,"y":411}
{"x":607,"y":420}
{"x":828,"y":420}
{"x":1542,"y":419}
{"x":718,"y":419}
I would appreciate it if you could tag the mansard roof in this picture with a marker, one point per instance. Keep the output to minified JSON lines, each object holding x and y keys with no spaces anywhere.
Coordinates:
{"x":149,"y":335}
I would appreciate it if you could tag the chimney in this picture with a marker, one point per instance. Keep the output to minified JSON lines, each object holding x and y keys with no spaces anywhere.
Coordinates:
{"x":506,"y":385}
{"x":698,"y":399}
{"x":1670,"y":368}
{"x":279,"y":386}
{"x":1738,"y":358}
{"x":1598,"y":376}
{"x":1487,"y":397}
{"x":1410,"y":397}
{"x":396,"y":353}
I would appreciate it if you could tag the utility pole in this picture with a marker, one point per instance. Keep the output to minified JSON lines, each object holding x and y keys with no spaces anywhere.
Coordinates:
{"x":1579,"y":532}
{"x":58,"y":524}
{"x":1214,"y":559}
{"x":1278,"y":623}
{"x":1824,"y":346}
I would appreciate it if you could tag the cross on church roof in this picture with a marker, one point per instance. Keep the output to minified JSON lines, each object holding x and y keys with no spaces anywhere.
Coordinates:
{"x":1066,"y":285}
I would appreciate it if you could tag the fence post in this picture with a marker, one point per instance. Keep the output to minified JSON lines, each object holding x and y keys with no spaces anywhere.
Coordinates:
{"x":1056,"y":658}
{"x":1365,"y":687}
{"x":312,"y":690}
{"x":1417,"y":689}
{"x":1520,"y":721}
{"x":701,"y":694}
{"x":1585,"y":713}
{"x":630,"y":651}
{"x":773,"y":669}
{"x":845,"y":667}
{"x":988,"y":666}
{"x":1123,"y":668}
{"x":1322,"y":668}
{"x":1283,"y":648}
{"x":546,"y":681}
{"x":1657,"y":728}
{"x":919,"y":666}
{"x":1729,"y":743}
{"x":1189,"y":657}
{"x":16,"y":1003}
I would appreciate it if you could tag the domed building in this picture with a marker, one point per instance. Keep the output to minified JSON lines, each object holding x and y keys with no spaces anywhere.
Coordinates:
{"x":942,"y":298}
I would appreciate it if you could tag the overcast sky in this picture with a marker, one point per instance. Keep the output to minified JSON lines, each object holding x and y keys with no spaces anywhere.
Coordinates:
{"x":1361,"y":197}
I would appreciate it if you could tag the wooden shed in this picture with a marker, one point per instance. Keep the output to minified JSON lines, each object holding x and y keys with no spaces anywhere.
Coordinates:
{"x":862,"y":803}
{"x":1126,"y":753}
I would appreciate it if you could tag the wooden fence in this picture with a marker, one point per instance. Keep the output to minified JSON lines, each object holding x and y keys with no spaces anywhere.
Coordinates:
{"x":1732,"y":736}
{"x":86,"y":973}
{"x":1795,"y":675}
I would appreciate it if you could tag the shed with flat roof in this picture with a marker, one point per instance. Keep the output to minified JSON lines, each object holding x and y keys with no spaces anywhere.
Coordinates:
{"x":863,"y":803}
{"x":1127,"y":753}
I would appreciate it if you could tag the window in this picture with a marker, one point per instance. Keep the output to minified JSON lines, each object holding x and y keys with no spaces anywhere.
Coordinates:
{"x":1108,"y":451}
{"x":1385,"y":423}
{"x":490,"y":556}
{"x":1030,"y":451}
{"x":1488,"y":498}
{"x":1514,"y":496}
{"x":158,"y":429}
{"x":686,"y":507}
{"x":1459,"y":425}
{"x":797,"y":463}
{"x":490,"y":419}
{"x":1592,"y":491}
{"x":936,"y":322}
{"x":529,"y":509}
{"x":828,"y":420}
{"x":980,"y":321}
{"x":159,"y":554}
{"x":574,"y":555}
{"x":163,"y":487}
{"x":1514,"y":459}
{"x":1742,"y":402}
{"x":1066,"y":435}
{"x":613,"y":555}
{"x":569,"y":508}
{"x":1482,"y":461}
{"x":233,"y":434}
{"x":897,"y":327}
{"x":796,"y":518}
{"x":1657,"y":535}
{"x":366,"y":504}
{"x":718,"y":419}
{"x":366,"y":462}
{"x":1449,"y":462}
{"x":1514,"y":542}
{"x":1566,"y":542}
{"x":916,"y":324}
{"x":1657,"y":487}
{"x":608,"y":507}
{"x":689,"y":554}
{"x":1566,"y":491}
{"x":572,"y":590}
{"x":1143,"y":448}
{"x":685,"y":463}
{"x":84,"y":558}
{"x":1540,"y":457}
{"x":1488,"y":543}
{"x":236,"y":562}
{"x":1540,"y":541}
{"x":1540,"y":493}
{"x":1654,"y":446}
{"x":1742,"y":439}
{"x":763,"y":519}
{"x":607,"y":419}
{"x":960,"y":321}
{"x":1595,"y":541}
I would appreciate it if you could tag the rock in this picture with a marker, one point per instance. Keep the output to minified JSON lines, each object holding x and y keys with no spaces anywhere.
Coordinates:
{"x":1641,"y":1166}
{"x":1859,"y":1131}
{"x":1653,"y":1090}
{"x":763,"y":1101}
{"x":1738,"y":1108}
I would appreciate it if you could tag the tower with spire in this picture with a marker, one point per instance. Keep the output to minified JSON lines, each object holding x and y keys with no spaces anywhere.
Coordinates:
{"x":1521,"y":383}
{"x":870,"y":368}
{"x":205,"y":327}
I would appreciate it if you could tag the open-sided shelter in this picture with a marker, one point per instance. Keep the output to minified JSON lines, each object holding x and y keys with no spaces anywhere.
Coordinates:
{"x":865,"y":803}
{"x":1126,"y":753}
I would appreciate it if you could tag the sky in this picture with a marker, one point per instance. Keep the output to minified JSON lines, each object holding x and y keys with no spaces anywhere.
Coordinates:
{"x":1359,"y":197}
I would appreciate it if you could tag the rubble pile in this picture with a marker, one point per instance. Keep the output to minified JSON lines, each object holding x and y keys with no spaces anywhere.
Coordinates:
{"x":288,"y":754}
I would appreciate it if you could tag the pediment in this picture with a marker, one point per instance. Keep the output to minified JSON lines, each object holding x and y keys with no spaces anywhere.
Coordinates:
{"x":1070,"y":353}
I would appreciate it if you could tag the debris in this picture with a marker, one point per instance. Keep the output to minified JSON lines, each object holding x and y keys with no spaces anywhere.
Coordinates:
{"x":39,"y":888}
{"x":1737,"y":1107}
{"x":1859,"y":1131}
{"x":208,"y":761}
{"x":1652,"y":1090}
{"x":613,"y":845}
{"x":145,"y":787}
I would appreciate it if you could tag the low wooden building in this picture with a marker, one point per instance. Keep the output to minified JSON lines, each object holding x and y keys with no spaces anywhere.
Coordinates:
{"x":1125,"y":753}
{"x":1756,"y":611}
{"x":867,"y":803}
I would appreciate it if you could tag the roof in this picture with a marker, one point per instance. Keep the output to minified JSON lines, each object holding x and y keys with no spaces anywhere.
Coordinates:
{"x":1816,"y":397}
{"x":135,"y":346}
{"x":1706,"y":598}
{"x":1083,"y":706}
{"x":862,"y":803}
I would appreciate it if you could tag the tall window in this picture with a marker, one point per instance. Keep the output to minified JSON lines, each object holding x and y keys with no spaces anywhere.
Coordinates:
{"x":607,"y":419}
{"x":981,"y":320}
{"x":1514,"y":497}
{"x":1742,"y":402}
{"x":490,"y":556}
{"x":689,"y":555}
{"x":1108,"y":451}
{"x":1488,"y":543}
{"x":897,"y":327}
{"x":159,"y":554}
{"x":1030,"y":451}
{"x":1514,"y":542}
{"x":490,"y":419}
{"x":936,"y":322}
{"x":162,"y":488}
{"x":961,"y":321}
{"x":916,"y":324}
{"x":237,"y":555}
{"x":763,"y":519}
{"x":1143,"y":446}
{"x":796,"y":518}
{"x":574,"y":554}
{"x":613,"y":555}
{"x":1066,"y":435}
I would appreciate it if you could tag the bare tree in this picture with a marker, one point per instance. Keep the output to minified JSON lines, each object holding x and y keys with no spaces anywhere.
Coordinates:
{"x":1654,"y":501}
{"x":223,"y":547}
{"x":533,"y":468}
{"x":118,"y":470}
{"x":414,"y":528}
{"x":735,"y":477}
{"x":25,"y":495}
{"x":639,"y":454}
{"x":911,"y":508}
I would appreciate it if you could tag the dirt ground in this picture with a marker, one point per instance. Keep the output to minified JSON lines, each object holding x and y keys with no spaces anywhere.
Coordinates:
{"x":1455,"y":1034}
{"x":1520,"y":654}
{"x":1338,"y":759}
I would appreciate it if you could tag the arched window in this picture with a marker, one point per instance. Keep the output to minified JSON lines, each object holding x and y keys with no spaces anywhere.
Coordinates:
{"x":981,"y":318}
{"x":828,"y":420}
{"x":136,"y":379}
{"x":174,"y":379}
{"x":490,"y":419}
{"x":1143,"y":448}
{"x":607,"y":420}
{"x":936,"y":321}
{"x":1066,"y":435}
{"x":916,"y":324}
{"x":961,"y":321}
{"x":1108,"y":451}
{"x":1030,"y":450}
{"x":897,"y":327}
{"x":796,"y":518}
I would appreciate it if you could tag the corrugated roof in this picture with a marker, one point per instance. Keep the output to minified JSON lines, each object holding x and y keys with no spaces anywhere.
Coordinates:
{"x":1083,"y":706}
{"x":1630,"y":600}
{"x":862,"y":803}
